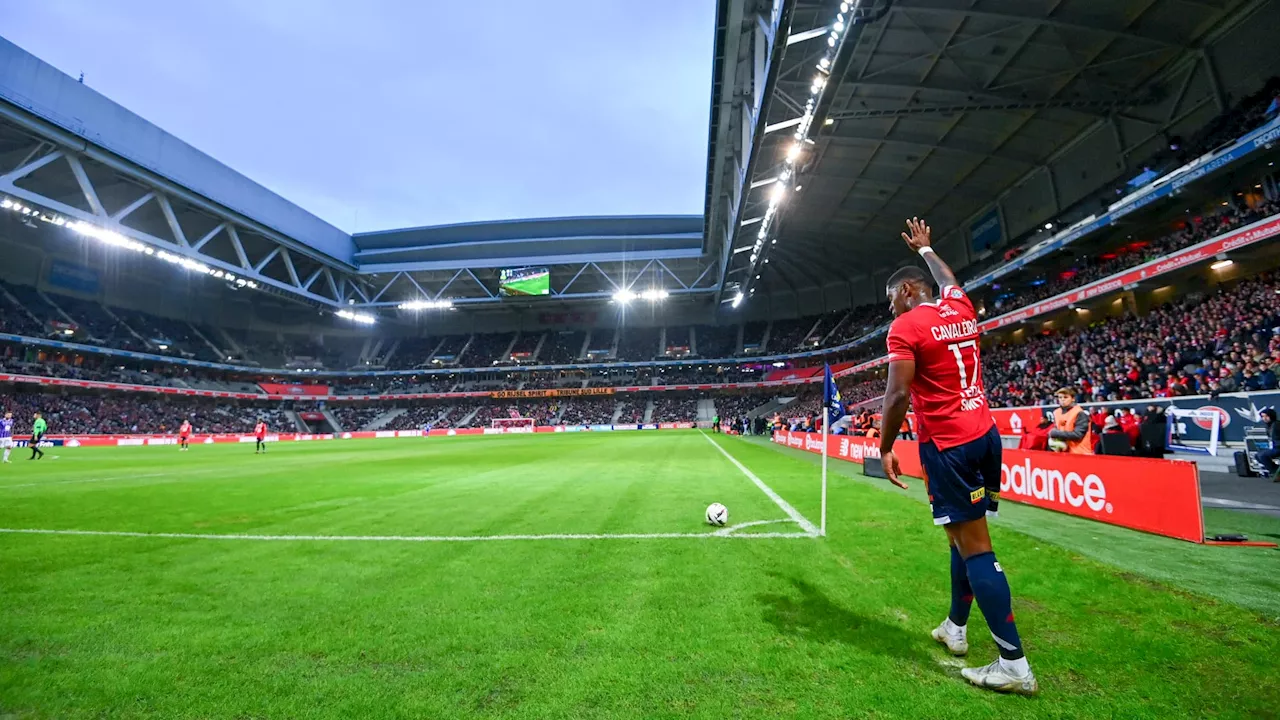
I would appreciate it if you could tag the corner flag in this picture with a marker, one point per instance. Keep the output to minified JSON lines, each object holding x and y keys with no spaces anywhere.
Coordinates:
{"x":832,"y":411}
{"x":831,"y":396}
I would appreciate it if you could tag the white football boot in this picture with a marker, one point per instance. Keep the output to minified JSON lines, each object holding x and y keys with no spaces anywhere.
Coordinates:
{"x":956,"y":640}
{"x":999,"y":678}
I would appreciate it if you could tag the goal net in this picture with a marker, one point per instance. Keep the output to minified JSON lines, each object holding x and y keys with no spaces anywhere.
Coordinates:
{"x":513,"y":424}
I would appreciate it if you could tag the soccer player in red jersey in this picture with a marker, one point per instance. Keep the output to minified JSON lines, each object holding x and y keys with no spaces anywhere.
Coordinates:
{"x":260,"y":432}
{"x":184,"y":435}
{"x":935,"y":363}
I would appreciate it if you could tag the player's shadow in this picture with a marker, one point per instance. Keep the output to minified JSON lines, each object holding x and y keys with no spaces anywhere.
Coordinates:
{"x":814,"y":617}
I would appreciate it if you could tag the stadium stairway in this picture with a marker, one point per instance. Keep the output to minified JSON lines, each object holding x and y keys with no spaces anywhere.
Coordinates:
{"x":57,"y":308}
{"x":21,"y":307}
{"x":769,"y":408}
{"x":333,"y":421}
{"x":466,"y":419}
{"x":145,"y":342}
{"x":216,"y":350}
{"x":298,"y":425}
{"x":706,"y":410}
{"x":384,"y":419}
{"x":230,"y":343}
{"x":648,"y":412}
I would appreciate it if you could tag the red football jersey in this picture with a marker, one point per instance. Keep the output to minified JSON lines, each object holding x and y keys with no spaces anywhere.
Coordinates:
{"x":947,"y":393}
{"x":185,"y":429}
{"x":260,"y":429}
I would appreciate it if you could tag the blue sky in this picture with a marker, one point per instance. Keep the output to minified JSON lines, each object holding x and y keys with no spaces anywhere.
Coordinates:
{"x":378,"y":115}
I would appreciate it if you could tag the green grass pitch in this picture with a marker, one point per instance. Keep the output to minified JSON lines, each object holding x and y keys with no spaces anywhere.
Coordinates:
{"x":612,"y":600}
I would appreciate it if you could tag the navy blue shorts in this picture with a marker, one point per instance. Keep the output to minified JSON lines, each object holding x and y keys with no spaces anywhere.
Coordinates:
{"x":963,"y":481}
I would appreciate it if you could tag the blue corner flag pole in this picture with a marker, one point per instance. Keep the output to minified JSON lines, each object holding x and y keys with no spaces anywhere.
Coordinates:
{"x":830,"y":404}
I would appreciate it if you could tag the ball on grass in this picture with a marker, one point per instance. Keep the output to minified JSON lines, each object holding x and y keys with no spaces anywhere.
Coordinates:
{"x":717,"y":514}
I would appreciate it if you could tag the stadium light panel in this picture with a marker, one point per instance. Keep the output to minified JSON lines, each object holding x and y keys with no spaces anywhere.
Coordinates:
{"x":1222,"y":264}
{"x":362,"y":318}
{"x":426,"y":305}
{"x":737,"y":299}
{"x":779,"y":192}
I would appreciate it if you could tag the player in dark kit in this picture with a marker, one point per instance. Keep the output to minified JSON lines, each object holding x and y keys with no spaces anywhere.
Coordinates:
{"x":934,"y":362}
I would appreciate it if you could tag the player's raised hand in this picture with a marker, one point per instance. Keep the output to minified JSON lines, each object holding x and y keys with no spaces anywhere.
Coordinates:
{"x":892,"y":469}
{"x":917,"y":235}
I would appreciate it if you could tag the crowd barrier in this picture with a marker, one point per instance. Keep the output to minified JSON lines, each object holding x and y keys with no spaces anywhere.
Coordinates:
{"x":1236,"y":412}
{"x":1155,"y":496}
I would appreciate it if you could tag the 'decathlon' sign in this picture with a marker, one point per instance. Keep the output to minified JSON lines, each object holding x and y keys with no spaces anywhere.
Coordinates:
{"x":557,"y":392}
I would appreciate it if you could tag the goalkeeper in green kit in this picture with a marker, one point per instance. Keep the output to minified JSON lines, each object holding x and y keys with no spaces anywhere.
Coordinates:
{"x":38,"y":429}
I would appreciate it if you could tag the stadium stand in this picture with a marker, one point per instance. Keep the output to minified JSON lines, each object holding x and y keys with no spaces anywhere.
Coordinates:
{"x":675,"y":409}
{"x":588,"y":411}
{"x":638,"y":344}
{"x":488,"y":349}
{"x":352,"y":418}
{"x":716,"y":341}
{"x":562,"y":348}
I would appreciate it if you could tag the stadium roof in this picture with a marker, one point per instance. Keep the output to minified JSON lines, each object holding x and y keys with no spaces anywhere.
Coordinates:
{"x":71,"y":154}
{"x":952,"y":110}
{"x":966,"y":113}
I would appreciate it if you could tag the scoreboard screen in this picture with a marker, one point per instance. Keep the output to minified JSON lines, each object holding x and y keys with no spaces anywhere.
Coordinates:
{"x":525,"y":282}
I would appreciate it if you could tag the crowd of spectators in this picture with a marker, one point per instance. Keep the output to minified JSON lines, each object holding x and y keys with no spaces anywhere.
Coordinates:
{"x":631,"y":410}
{"x":121,"y":413}
{"x":418,"y":417}
{"x":1201,"y":345}
{"x":355,"y":417}
{"x":1235,"y":214}
{"x":737,"y":406}
{"x":562,"y":348}
{"x":542,"y":411}
{"x":673,"y":409}
{"x":488,"y":349}
{"x":638,"y":343}
{"x":589,"y":411}
{"x":716,"y":341}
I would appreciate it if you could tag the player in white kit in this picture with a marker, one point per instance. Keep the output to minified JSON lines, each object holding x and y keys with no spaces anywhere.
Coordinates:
{"x":6,"y":434}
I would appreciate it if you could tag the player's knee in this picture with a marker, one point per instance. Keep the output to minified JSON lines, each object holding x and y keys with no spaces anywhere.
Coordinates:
{"x":970,"y":538}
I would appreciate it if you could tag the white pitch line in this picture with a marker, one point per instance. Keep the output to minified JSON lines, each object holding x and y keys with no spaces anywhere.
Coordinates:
{"x":808,"y":527}
{"x":84,"y":480}
{"x":405,"y":538}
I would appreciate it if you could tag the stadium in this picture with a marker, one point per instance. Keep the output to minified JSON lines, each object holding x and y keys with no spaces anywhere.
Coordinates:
{"x":490,"y":447}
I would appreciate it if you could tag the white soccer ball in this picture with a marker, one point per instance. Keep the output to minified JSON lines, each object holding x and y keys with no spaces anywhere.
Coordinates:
{"x":717,"y":514}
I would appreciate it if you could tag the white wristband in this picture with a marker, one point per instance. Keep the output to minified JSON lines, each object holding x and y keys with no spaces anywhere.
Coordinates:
{"x":925,"y":250}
